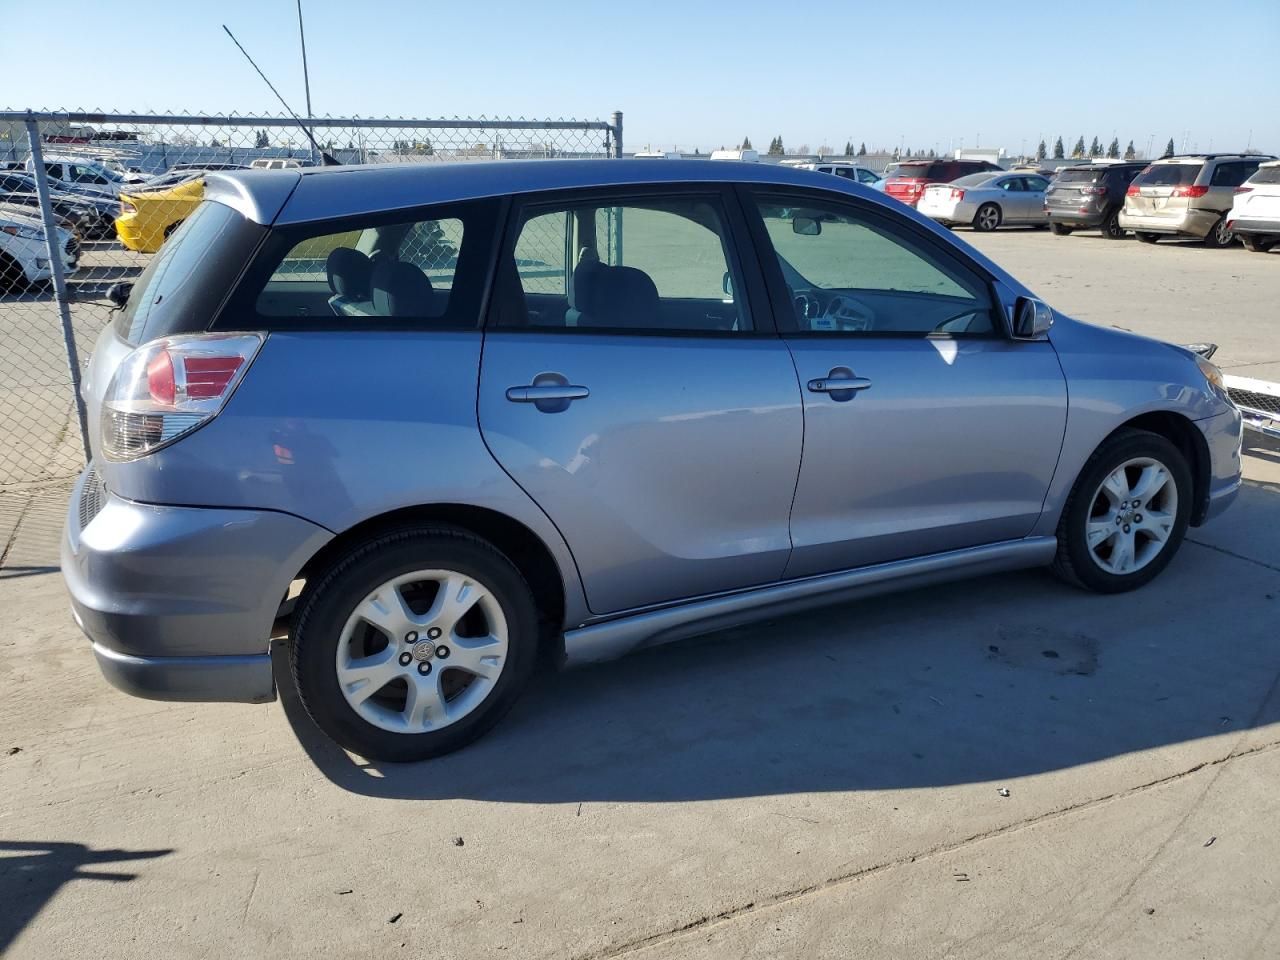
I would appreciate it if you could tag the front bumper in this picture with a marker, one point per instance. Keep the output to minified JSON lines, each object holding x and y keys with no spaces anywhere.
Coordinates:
{"x":179,"y":601}
{"x":1189,"y":223}
{"x":1224,"y":435}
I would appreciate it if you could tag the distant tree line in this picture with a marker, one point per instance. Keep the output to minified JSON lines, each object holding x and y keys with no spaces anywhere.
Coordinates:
{"x":1079,"y":152}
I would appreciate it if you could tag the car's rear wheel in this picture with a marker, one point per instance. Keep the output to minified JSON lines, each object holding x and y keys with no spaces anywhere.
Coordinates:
{"x":1220,"y":236}
{"x":1060,"y":229}
{"x":1149,"y":237}
{"x":987,"y":218}
{"x":1111,"y":228}
{"x":1127,"y":513}
{"x":1255,"y":244}
{"x":12,"y":276}
{"x":415,"y":644}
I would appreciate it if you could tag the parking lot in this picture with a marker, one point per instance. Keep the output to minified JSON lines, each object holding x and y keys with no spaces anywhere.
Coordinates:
{"x":996,"y":768}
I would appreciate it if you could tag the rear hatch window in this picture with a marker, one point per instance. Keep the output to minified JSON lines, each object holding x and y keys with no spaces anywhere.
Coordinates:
{"x":1266,"y":175}
{"x":1169,"y":175}
{"x":188,"y":279}
{"x":918,"y":171}
{"x":1076,"y":176}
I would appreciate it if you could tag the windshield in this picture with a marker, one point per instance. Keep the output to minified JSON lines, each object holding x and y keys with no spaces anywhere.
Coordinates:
{"x":203,"y":257}
{"x":974,"y":179}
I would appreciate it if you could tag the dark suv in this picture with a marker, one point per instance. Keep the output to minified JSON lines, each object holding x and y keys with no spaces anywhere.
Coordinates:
{"x":909,"y":180}
{"x":1089,"y":197}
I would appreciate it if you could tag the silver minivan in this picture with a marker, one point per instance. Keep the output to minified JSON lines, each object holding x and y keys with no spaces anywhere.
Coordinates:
{"x":1187,"y":197}
{"x":428,"y":425}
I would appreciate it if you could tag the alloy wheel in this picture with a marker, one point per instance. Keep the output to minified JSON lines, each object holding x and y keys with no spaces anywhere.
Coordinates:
{"x":1132,"y":516}
{"x":422,"y":651}
{"x":988,"y":218}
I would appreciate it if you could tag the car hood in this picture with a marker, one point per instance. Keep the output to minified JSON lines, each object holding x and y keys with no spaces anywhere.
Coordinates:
{"x":16,"y":215}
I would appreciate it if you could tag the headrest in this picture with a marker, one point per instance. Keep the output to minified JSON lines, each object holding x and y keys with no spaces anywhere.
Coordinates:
{"x":621,"y":297}
{"x":350,"y":273}
{"x":401,"y":290}
{"x":585,"y":275}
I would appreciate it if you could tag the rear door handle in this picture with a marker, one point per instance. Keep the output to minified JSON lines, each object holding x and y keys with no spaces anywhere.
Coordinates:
{"x":551,"y":391}
{"x":839,"y":384}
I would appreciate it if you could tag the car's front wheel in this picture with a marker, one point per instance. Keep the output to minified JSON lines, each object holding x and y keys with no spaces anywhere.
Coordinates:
{"x":987,"y":218}
{"x":1126,"y":515}
{"x":12,"y":277}
{"x":414,"y":644}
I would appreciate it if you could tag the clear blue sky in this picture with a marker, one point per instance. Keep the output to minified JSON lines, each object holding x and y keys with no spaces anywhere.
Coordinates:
{"x":685,"y":72}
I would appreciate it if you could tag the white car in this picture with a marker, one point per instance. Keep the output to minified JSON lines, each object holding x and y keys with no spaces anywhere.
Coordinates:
{"x":24,"y":255}
{"x":82,"y":176}
{"x":987,"y":200}
{"x":1255,"y":213}
{"x":850,"y":171}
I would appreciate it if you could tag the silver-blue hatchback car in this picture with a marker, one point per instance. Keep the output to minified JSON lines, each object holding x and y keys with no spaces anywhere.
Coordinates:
{"x":428,"y":421}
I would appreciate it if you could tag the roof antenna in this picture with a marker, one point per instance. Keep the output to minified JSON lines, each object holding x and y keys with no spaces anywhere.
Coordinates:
{"x":325,"y":159}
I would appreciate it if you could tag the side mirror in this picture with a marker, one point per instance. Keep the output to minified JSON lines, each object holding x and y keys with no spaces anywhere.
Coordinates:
{"x":1032,"y":319}
{"x":806,"y":226}
{"x":726,"y":284}
{"x":118,"y":294}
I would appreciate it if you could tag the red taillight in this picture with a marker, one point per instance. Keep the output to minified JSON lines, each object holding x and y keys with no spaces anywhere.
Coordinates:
{"x":1133,"y":191}
{"x":209,"y":376}
{"x":160,"y":381}
{"x":1244,"y":189}
{"x":1094,"y":191}
{"x":957,"y":193}
{"x":1191,"y":191}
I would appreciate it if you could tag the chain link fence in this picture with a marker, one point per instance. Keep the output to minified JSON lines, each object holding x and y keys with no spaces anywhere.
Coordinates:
{"x":86,"y":200}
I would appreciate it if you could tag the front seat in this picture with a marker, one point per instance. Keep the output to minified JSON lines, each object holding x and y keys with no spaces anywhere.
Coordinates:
{"x":402,"y":290}
{"x":622,"y":297}
{"x":350,"y":275}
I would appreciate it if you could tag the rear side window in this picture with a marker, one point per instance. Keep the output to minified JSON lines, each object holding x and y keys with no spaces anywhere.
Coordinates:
{"x":1231,"y":174}
{"x":1169,"y":175}
{"x":427,"y":268}
{"x":185,"y":282}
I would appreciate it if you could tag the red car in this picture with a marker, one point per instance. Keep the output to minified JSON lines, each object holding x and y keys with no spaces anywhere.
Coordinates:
{"x":910,"y":179}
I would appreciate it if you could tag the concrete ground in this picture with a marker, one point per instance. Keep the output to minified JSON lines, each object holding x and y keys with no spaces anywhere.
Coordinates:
{"x":829,"y":785}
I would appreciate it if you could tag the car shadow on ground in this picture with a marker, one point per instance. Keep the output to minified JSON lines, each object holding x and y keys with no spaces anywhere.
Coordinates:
{"x":975,"y":681}
{"x":32,"y":873}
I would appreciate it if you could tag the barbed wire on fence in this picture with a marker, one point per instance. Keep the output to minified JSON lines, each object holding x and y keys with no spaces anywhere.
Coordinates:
{"x":111,"y":187}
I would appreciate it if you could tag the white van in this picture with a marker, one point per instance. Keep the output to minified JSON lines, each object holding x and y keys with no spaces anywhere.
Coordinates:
{"x":850,"y":171}
{"x":751,"y":156}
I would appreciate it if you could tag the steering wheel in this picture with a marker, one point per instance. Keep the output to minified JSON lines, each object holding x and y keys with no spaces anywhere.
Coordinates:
{"x":845,"y":313}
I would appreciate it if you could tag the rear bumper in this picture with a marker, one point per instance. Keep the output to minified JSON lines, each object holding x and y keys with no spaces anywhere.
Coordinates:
{"x":179,"y":601}
{"x":1256,"y":226}
{"x":1190,"y":223}
{"x":1074,"y":218}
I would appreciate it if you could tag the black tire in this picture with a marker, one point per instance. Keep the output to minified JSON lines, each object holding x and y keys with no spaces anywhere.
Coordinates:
{"x":988,"y":218}
{"x":326,"y":607}
{"x":1111,"y":228}
{"x":1256,"y":244}
{"x":1060,"y":229}
{"x":1149,"y":237}
{"x":1219,"y":237}
{"x":1074,"y":562}
{"x":12,"y":277}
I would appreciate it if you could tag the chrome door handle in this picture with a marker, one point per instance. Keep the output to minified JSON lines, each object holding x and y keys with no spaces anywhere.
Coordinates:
{"x":839,"y":384}
{"x":551,"y":391}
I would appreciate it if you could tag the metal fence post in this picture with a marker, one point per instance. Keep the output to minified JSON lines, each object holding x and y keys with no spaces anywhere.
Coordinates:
{"x":617,"y":133}
{"x":59,"y":279}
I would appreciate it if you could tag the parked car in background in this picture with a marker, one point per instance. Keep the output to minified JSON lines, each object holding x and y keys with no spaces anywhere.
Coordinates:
{"x":95,"y":215}
{"x":1186,"y":197}
{"x":1090,"y":197}
{"x":1255,"y":214}
{"x":840,"y":398}
{"x":204,"y":167}
{"x":147,"y":217}
{"x":84,"y":176}
{"x":850,"y":171}
{"x":987,"y":201}
{"x":908,"y":181}
{"x":24,"y":253}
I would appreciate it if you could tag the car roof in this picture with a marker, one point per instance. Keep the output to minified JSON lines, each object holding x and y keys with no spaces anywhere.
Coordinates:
{"x":322,"y":193}
{"x":1201,"y":157}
